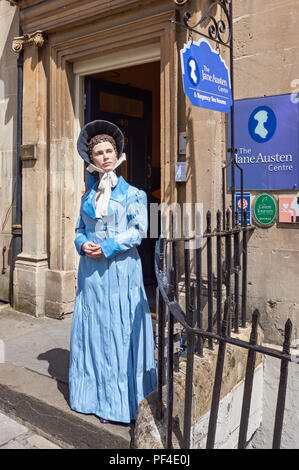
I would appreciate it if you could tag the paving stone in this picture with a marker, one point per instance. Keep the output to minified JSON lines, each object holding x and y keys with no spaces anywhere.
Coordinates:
{"x":14,"y":435}
{"x":9,"y":429}
{"x":40,"y":442}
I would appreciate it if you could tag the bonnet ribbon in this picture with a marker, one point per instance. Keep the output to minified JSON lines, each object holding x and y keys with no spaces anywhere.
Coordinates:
{"x":108,"y":181}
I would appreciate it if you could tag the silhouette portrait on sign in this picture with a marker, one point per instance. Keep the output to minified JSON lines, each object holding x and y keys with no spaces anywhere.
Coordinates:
{"x":262,"y":118}
{"x":193,"y":75}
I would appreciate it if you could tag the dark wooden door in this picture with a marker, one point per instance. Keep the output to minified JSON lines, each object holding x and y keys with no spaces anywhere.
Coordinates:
{"x":130,"y":108}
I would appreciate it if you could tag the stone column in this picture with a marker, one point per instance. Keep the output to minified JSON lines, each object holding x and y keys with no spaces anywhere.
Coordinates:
{"x":32,"y":263}
{"x":9,"y":24}
{"x":60,"y":278}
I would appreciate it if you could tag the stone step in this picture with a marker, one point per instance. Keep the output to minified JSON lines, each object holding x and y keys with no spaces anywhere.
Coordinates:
{"x":41,"y":402}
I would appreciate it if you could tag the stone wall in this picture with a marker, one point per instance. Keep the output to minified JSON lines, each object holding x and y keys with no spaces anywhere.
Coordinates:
{"x":290,"y":432}
{"x":229,"y":416}
{"x":266,"y":62}
{"x":150,"y":433}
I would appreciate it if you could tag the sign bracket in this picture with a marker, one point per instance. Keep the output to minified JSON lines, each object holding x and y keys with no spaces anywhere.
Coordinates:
{"x":221,"y":32}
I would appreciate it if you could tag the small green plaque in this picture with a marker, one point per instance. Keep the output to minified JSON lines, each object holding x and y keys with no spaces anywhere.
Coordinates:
{"x":265,"y":209}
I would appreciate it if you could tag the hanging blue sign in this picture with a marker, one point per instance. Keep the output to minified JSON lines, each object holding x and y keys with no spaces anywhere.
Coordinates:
{"x":205,"y":76}
{"x":267,"y":143}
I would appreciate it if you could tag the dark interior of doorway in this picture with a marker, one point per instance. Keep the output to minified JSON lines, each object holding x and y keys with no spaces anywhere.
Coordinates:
{"x":133,"y":83}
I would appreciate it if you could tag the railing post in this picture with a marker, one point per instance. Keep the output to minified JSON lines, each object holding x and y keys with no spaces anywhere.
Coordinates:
{"x":189,"y":371}
{"x":282,"y":386}
{"x":236,"y":269}
{"x":218,"y":380}
{"x":219,"y":274}
{"x":223,"y":197}
{"x":169,"y":401}
{"x":210,"y":278}
{"x":187,"y":265}
{"x":248,"y":383}
{"x":228,"y":266}
{"x":244,"y":270}
{"x":161,"y":336}
{"x":198,"y":255}
{"x":174,"y":256}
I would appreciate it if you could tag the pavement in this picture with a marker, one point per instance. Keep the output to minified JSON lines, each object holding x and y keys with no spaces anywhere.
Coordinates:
{"x":34,"y":363}
{"x":14,"y":435}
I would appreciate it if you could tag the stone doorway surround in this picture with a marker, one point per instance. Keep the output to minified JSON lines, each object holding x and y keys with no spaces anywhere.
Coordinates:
{"x":45,"y":271}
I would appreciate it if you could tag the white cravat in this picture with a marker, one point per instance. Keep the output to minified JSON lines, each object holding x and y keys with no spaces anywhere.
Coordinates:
{"x":108,"y":181}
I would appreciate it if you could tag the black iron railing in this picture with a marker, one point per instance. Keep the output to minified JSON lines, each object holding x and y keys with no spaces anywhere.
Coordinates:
{"x":230,"y":313}
{"x":228,"y":244}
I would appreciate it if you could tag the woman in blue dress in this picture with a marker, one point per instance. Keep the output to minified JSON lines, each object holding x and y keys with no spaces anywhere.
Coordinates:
{"x":112,"y":366}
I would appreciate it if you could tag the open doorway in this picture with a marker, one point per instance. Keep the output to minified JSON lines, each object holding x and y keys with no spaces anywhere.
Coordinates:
{"x":130,"y":97}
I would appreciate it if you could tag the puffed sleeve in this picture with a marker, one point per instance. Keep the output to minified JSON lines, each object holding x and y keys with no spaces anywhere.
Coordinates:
{"x":137,"y":224}
{"x":80,"y":234}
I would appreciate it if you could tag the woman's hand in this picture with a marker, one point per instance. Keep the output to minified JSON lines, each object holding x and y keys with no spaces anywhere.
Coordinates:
{"x":92,"y":250}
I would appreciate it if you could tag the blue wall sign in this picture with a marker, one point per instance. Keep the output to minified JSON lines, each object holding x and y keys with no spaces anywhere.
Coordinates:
{"x":205,"y":76}
{"x":267,"y":143}
{"x":246,"y":206}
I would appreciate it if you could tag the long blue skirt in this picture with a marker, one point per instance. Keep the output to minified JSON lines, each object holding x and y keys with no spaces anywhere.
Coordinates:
{"x":112,"y":365}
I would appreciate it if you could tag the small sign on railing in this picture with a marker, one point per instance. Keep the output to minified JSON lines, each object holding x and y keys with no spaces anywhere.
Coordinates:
{"x":246,"y":206}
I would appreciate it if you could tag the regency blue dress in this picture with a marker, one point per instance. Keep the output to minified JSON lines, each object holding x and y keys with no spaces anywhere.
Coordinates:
{"x":112,"y":366}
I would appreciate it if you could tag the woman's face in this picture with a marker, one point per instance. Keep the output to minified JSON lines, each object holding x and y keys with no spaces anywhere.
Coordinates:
{"x":104,"y":156}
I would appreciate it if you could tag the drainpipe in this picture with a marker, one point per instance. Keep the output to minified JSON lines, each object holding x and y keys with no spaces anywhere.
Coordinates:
{"x":16,"y":229}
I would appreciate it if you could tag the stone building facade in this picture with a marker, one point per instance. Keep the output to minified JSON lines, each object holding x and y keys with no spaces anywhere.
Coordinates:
{"x":9,"y":19}
{"x":68,"y":44}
